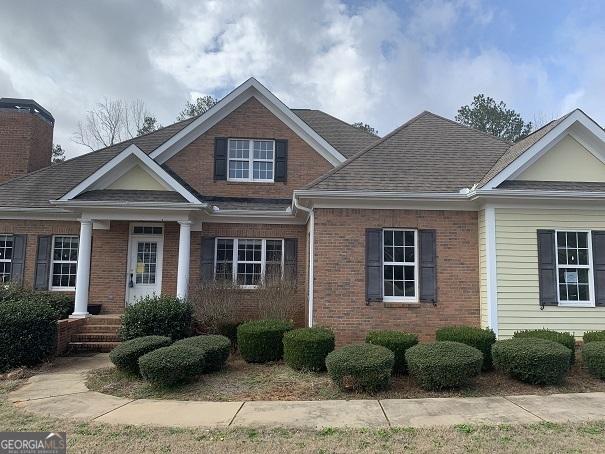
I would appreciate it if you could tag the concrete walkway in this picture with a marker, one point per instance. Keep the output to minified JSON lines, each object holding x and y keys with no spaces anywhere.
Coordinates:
{"x":62,"y":393}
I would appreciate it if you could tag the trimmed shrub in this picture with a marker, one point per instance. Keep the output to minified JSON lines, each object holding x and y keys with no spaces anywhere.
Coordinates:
{"x":481,"y":339}
{"x":593,"y":355}
{"x":445,"y":364}
{"x":216,"y":349}
{"x":28,"y":333}
{"x":361,"y":367}
{"x":157,"y":316}
{"x":532,"y":360}
{"x":261,"y":341}
{"x":396,"y":341}
{"x":307,"y":348}
{"x":566,"y":339}
{"x":229,"y":330}
{"x":168,"y":366}
{"x":126,"y":355}
{"x":61,"y":303}
{"x":593,"y":336}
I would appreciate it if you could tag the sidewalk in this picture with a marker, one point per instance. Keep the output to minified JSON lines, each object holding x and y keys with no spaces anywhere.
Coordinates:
{"x":63,"y":393}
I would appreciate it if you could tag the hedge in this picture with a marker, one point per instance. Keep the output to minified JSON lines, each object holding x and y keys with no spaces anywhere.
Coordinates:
{"x":28,"y":333}
{"x":444,"y":364}
{"x":216,"y":349}
{"x":396,"y":341}
{"x":126,"y":355}
{"x":307,"y":348}
{"x":532,"y":360}
{"x":229,"y":330}
{"x":593,"y":355}
{"x":168,"y":366}
{"x":157,"y":316}
{"x":261,"y":341}
{"x":61,"y":303}
{"x":361,"y":367}
{"x":481,"y":339}
{"x":566,"y":339}
{"x":593,"y":336}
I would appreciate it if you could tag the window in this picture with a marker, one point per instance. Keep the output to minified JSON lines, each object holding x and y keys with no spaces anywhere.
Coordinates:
{"x":400,"y":270}
{"x":574,"y":273}
{"x":251,"y":160}
{"x":248,"y":261}
{"x":6,"y":257}
{"x":146,"y":230}
{"x":64,"y":262}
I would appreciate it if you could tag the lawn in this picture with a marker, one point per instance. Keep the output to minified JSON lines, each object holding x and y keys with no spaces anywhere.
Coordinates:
{"x":243,"y":381}
{"x":95,"y":437}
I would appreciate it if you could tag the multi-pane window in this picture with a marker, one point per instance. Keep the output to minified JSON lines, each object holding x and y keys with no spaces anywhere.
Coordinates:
{"x":6,"y":257}
{"x":64,"y":262}
{"x":251,"y":160}
{"x":247,"y":262}
{"x":400,"y":271}
{"x":147,"y":256}
{"x":574,"y":261}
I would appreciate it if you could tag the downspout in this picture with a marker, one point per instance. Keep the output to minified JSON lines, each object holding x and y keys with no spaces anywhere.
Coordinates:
{"x":311,"y":240}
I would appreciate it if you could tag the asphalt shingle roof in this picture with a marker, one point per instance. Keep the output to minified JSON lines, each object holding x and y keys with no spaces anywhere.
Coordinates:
{"x":119,"y":195}
{"x":553,"y":185}
{"x":253,"y":204}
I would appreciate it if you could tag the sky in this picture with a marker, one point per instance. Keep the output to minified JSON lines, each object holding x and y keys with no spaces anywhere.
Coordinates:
{"x":379,"y":62}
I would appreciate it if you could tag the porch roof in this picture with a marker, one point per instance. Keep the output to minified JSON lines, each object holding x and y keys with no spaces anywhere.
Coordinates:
{"x":121,"y":195}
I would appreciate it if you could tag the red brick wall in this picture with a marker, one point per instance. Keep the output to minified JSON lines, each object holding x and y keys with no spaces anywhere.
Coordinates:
{"x":339,"y":285}
{"x":195,"y":164}
{"x":25,"y":145}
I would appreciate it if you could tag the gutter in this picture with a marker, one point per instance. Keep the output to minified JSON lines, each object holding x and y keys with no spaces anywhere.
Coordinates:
{"x":108,"y":204}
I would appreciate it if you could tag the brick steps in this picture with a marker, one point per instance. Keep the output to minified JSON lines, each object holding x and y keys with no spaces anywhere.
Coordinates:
{"x":98,"y":334}
{"x":100,"y":347}
{"x":95,"y":337}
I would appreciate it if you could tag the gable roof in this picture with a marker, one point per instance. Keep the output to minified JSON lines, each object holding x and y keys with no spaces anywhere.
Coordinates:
{"x":341,"y":135}
{"x":429,"y":153}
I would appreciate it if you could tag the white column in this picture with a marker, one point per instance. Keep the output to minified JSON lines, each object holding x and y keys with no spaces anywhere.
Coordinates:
{"x":182,"y":277}
{"x":83,"y":272}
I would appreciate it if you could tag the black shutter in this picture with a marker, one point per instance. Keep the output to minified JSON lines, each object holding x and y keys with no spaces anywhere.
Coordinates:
{"x":18,"y":259}
{"x":290,"y":254}
{"x":220,"y":158}
{"x":428,"y":266}
{"x":42,"y":272}
{"x":547,"y":268}
{"x":207,"y":259}
{"x":598,"y":257}
{"x":281,"y":160}
{"x":374,"y":265}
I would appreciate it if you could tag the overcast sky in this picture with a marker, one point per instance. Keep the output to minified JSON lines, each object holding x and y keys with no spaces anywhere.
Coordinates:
{"x":380,"y":62}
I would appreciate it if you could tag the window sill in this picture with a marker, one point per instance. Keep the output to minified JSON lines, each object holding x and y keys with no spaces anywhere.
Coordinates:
{"x":62,"y":289}
{"x":409,"y":304}
{"x":249,"y":182}
{"x":579,"y":305}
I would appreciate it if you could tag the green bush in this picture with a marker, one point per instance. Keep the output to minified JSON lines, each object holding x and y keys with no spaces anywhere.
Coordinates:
{"x":532,"y":360}
{"x":307,"y":348}
{"x":229,"y":330}
{"x":593,"y":336}
{"x":168,"y":366}
{"x":444,"y":364}
{"x":396,"y":341}
{"x":216,"y":349}
{"x":481,"y":339}
{"x":566,"y":339}
{"x":593,"y":355}
{"x":157,"y":316}
{"x":261,"y":341}
{"x":28,"y":333}
{"x":126,"y":355}
{"x":361,"y":367}
{"x":61,"y":303}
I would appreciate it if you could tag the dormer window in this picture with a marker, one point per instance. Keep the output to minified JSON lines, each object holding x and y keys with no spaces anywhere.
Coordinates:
{"x":251,"y":160}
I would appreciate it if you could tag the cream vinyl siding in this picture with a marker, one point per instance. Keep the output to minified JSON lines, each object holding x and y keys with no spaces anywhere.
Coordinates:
{"x":137,"y":179}
{"x":482,"y":269}
{"x":517,"y":268}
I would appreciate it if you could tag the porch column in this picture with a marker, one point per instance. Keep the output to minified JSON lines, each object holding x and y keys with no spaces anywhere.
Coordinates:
{"x":83,"y":271}
{"x":182,"y":277}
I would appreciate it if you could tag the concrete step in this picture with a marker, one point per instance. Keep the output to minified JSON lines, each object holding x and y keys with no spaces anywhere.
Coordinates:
{"x":95,"y":337}
{"x":101,"y":347}
{"x":99,"y":329}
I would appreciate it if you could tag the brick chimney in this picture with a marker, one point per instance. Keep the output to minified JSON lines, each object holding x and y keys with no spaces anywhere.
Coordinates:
{"x":26,"y":137}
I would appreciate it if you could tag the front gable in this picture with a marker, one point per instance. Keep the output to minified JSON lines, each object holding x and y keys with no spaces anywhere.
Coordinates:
{"x":139,"y":179}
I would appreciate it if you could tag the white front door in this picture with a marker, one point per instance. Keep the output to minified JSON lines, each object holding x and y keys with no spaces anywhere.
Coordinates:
{"x":146,"y":247}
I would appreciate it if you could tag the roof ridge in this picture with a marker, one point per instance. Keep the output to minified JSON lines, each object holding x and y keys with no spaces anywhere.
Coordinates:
{"x":364,"y":151}
{"x":343,"y":122}
{"x":472,"y":129}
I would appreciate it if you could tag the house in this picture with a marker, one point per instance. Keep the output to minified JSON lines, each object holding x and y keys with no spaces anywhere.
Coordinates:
{"x":431,"y":225}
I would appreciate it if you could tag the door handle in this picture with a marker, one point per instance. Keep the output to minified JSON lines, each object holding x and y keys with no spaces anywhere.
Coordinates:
{"x":130,"y":283}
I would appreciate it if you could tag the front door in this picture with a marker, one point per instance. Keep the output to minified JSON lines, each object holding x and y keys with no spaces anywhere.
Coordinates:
{"x":145,"y":261}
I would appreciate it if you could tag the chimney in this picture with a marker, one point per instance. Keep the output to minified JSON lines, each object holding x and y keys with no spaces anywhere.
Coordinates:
{"x":26,"y":137}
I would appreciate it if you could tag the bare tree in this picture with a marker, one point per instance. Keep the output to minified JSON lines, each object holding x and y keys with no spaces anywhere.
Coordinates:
{"x":112,"y":121}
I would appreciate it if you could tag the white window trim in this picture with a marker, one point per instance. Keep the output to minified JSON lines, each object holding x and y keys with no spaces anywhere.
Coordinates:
{"x":589,"y":267}
{"x":52,"y":287}
{"x":8,"y":235}
{"x":234,"y":261}
{"x":402,"y":299}
{"x":251,"y":161}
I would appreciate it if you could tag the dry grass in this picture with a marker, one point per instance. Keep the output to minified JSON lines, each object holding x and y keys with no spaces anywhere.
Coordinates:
{"x":242,"y":381}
